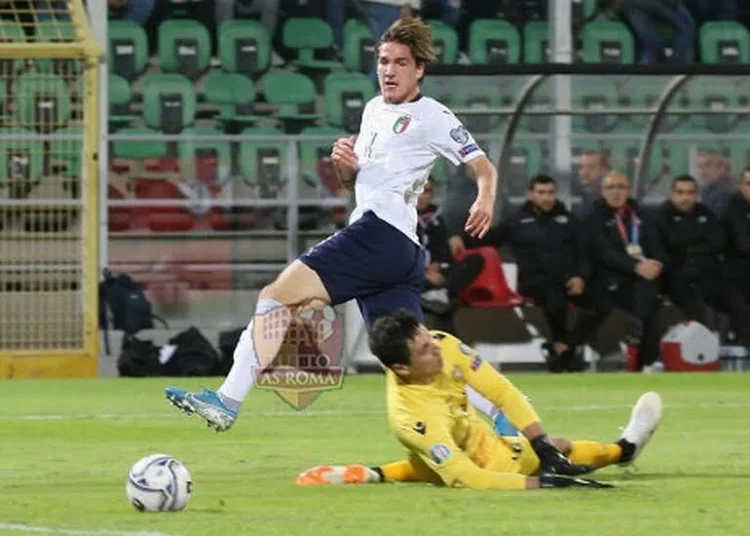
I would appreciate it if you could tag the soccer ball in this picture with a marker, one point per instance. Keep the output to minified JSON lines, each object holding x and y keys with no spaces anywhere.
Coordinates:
{"x":159,"y":483}
{"x":320,"y":316}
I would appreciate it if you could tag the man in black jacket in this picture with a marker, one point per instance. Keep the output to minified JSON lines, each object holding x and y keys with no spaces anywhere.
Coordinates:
{"x":694,"y":240}
{"x":627,"y":259}
{"x":549,"y":245}
{"x":736,"y":222}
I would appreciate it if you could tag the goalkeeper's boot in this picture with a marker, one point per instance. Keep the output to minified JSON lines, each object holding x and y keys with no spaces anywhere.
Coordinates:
{"x":323,"y":475}
{"x":207,"y":404}
{"x":644,"y":420}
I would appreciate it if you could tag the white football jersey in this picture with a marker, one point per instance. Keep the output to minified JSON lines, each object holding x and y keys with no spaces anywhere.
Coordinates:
{"x":397,"y":146}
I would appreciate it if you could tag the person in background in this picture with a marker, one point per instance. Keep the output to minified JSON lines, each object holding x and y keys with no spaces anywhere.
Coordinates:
{"x":593,"y":166}
{"x":709,"y":10}
{"x":736,"y":223}
{"x":646,"y":17}
{"x":715,"y":182}
{"x":445,"y":277}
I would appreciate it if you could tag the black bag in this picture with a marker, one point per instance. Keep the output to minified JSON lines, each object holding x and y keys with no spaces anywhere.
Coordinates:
{"x":227,"y":343}
{"x":138,"y":358}
{"x":125,"y":300}
{"x":194,"y":355}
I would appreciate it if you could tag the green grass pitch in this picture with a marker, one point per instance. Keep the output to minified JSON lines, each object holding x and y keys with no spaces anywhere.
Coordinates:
{"x":66,"y":446}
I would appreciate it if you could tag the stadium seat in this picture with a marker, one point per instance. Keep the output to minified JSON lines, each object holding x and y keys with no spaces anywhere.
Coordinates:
{"x":444,"y":42}
{"x":623,"y":154}
{"x":607,"y":41}
{"x":234,"y":94}
{"x":715,"y":94}
{"x":490,"y":288}
{"x":345,"y":96}
{"x":314,"y":157}
{"x":359,"y":46}
{"x":208,"y":161}
{"x":21,"y":161}
{"x":540,"y":100}
{"x":42,"y":102}
{"x":306,"y":35}
{"x":597,"y":93}
{"x":118,"y":218}
{"x":724,"y":42}
{"x":494,"y":42}
{"x":162,"y":218}
{"x":582,"y":10}
{"x":536,"y":42}
{"x":57,"y":33}
{"x":130,"y":156}
{"x":244,"y":47}
{"x":119,"y":97}
{"x":168,"y":102}
{"x":477,"y":93}
{"x":525,"y":161}
{"x":184,"y":47}
{"x":65,"y":153}
{"x":128,"y":49}
{"x":264,"y":163}
{"x":10,"y":32}
{"x":294,"y":95}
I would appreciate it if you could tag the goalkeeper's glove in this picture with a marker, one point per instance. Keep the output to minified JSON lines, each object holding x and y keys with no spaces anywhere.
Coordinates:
{"x":552,"y":480}
{"x":339,"y":474}
{"x":554,"y":461}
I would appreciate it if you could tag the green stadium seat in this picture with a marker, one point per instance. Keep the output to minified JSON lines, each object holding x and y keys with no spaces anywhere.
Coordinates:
{"x":715,"y":94}
{"x":244,"y":47}
{"x":293,"y":93}
{"x":21,"y":160}
{"x":234,"y":94}
{"x":541,"y":99}
{"x":582,"y":10}
{"x":42,"y":102}
{"x":313,"y":155}
{"x":306,"y":35}
{"x":444,"y":42}
{"x":66,"y":153}
{"x":10,"y":32}
{"x":494,"y":42}
{"x":264,"y":163}
{"x":593,"y":94}
{"x":607,"y":41}
{"x":476,"y":93}
{"x":128,"y":49}
{"x":119,"y":97}
{"x":208,"y":161}
{"x":168,"y":102}
{"x":52,"y":32}
{"x":359,"y":46}
{"x":724,"y":42}
{"x":645,"y":92}
{"x":437,"y":87}
{"x":536,"y":42}
{"x":184,"y":47}
{"x":139,"y":149}
{"x":346,"y":95}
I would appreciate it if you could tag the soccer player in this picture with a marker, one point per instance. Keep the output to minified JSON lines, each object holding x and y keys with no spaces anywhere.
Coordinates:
{"x":445,"y":440}
{"x":376,"y":259}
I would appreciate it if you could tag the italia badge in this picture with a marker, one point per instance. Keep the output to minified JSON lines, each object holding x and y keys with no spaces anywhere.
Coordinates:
{"x":401,"y":124}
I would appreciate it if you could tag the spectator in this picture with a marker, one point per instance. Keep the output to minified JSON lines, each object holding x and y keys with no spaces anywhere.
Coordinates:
{"x":708,"y":10}
{"x":268,"y":10}
{"x":553,"y":265}
{"x":736,"y":221}
{"x":137,"y":11}
{"x":593,"y":166}
{"x":715,"y":181}
{"x":380,"y":14}
{"x":645,"y":17}
{"x":444,"y":278}
{"x":627,"y":260}
{"x":694,"y":241}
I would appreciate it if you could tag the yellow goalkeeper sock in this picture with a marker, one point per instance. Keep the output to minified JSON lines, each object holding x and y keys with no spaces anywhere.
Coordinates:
{"x":593,"y":453}
{"x":397,"y":471}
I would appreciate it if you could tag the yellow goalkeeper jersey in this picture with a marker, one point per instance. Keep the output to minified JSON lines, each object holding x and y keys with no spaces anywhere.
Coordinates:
{"x":441,"y":430}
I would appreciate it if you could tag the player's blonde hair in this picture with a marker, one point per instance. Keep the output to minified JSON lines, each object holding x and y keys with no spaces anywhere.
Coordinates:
{"x":415,"y":34}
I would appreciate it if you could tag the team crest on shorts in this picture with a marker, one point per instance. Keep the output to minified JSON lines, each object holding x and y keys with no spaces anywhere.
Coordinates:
{"x":308,"y":340}
{"x":440,"y":453}
{"x":401,"y":124}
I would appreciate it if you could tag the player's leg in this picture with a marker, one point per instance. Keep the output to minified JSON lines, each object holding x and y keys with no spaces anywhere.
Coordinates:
{"x":411,"y":470}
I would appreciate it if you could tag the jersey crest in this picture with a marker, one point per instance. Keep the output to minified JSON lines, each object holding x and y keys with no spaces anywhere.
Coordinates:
{"x":401,"y":124}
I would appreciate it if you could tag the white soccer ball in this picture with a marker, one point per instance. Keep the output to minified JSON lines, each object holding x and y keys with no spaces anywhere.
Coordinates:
{"x":159,"y":483}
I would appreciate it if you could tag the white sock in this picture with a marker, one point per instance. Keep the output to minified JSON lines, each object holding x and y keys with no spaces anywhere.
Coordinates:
{"x":241,"y":377}
{"x":481,"y":404}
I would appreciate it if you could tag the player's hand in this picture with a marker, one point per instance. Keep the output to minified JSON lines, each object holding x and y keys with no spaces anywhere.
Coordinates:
{"x":575,"y":286}
{"x":480,"y":217}
{"x":554,"y":461}
{"x":552,"y":480}
{"x":343,"y":154}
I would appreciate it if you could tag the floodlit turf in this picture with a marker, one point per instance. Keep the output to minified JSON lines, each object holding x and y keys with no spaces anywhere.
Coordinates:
{"x":66,"y":446}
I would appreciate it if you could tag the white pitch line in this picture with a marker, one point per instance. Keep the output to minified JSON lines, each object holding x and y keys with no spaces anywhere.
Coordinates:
{"x":22,"y":527}
{"x":249,"y":414}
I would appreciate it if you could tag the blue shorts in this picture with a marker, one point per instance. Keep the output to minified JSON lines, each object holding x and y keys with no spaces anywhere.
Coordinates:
{"x":373,"y":262}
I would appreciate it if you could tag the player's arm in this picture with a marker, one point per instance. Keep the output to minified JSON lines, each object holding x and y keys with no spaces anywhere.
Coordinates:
{"x":480,"y":213}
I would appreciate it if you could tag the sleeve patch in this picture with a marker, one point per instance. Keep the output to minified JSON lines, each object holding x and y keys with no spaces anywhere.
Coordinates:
{"x":464,"y":349}
{"x":439,"y":453}
{"x":467,"y":150}
{"x":460,"y":135}
{"x":476,"y":363}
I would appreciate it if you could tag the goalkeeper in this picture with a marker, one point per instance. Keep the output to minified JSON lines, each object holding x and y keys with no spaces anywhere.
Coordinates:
{"x":447,"y":443}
